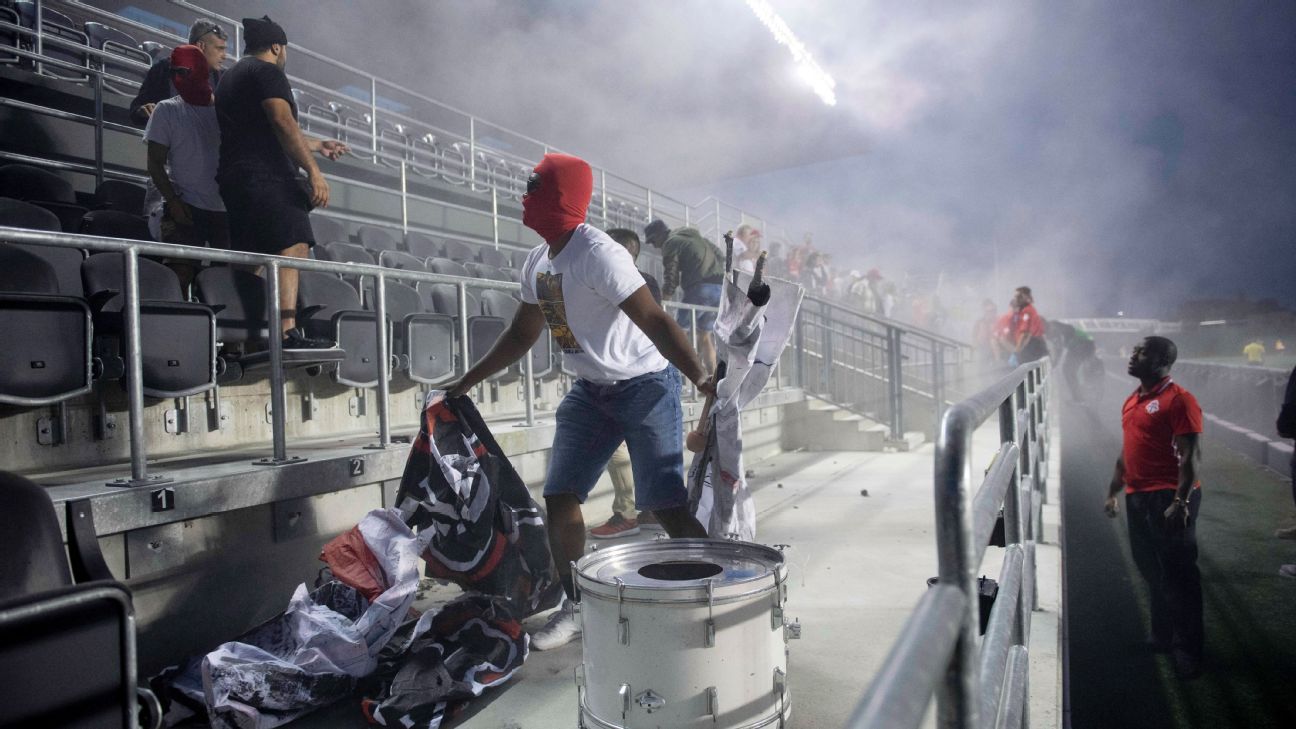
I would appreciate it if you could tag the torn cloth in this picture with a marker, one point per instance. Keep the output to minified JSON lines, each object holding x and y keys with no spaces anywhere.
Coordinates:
{"x":311,"y":654}
{"x":471,"y":644}
{"x":749,"y":340}
{"x":484,"y":532}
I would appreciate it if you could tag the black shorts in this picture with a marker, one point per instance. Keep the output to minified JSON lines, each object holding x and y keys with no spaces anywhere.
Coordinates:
{"x":210,"y":228}
{"x":267,"y":214}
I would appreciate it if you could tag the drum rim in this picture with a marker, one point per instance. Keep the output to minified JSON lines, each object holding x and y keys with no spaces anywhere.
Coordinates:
{"x":723,"y":593}
{"x":601,"y":723}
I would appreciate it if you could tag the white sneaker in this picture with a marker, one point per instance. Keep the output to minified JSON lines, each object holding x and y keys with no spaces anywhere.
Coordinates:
{"x":563,"y":627}
{"x":1287,"y":570}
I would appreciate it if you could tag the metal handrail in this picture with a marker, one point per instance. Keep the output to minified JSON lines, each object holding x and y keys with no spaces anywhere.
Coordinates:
{"x":133,"y":347}
{"x":937,"y":652}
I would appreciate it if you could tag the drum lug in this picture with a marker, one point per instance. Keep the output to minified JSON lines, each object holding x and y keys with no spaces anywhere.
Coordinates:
{"x":623,"y":623}
{"x":650,"y":701}
{"x":713,"y":703}
{"x":708,"y":628}
{"x":776,"y":618}
{"x":792,"y":630}
{"x":780,"y":682}
{"x":624,"y":691}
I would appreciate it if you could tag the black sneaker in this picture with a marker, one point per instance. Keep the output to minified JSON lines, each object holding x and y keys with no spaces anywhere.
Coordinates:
{"x":295,"y":338}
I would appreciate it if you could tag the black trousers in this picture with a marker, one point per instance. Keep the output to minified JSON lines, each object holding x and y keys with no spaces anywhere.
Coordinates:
{"x":1166,"y":556}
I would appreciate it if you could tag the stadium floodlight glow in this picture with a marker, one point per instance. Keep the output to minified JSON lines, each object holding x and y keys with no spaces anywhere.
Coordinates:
{"x":819,"y":80}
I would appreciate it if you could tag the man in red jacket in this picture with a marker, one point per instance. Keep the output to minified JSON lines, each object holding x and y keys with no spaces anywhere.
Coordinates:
{"x":1157,"y":468}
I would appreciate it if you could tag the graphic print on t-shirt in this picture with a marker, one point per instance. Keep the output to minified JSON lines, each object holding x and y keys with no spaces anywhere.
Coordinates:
{"x":549,"y":295}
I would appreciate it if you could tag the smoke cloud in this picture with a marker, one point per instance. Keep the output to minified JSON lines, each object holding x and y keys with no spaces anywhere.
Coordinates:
{"x":1112,"y":155}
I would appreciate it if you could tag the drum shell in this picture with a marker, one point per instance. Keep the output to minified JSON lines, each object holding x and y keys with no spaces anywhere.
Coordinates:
{"x":663,"y":647}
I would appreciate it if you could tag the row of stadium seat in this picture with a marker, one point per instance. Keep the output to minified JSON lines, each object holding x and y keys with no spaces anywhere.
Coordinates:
{"x":62,"y":37}
{"x":187,"y":344}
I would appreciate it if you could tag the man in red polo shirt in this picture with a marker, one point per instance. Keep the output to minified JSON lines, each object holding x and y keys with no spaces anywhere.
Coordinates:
{"x":1028,"y":329}
{"x":1157,"y":468}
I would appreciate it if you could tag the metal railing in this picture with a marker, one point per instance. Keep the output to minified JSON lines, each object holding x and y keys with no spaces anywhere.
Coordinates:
{"x":1247,"y":395}
{"x":870,"y":364}
{"x":976,"y":686}
{"x":133,"y":347}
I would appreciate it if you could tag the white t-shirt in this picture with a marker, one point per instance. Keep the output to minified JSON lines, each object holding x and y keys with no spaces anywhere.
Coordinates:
{"x":580,"y":292}
{"x":193,"y":139}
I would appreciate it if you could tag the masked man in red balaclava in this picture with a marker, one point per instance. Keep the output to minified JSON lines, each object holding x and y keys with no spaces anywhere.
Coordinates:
{"x":622,"y":346}
{"x":183,"y":149}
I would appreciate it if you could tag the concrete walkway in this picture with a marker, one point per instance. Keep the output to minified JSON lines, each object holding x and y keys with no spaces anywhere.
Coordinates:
{"x":858,"y":562}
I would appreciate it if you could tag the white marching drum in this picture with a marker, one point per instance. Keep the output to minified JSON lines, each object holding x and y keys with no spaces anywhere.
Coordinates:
{"x":684,"y":633}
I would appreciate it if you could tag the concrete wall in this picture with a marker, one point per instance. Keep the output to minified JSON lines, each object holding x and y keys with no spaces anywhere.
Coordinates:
{"x":242,"y":538}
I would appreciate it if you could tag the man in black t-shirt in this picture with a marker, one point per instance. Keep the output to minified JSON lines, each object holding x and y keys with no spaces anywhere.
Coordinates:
{"x":268,"y":206}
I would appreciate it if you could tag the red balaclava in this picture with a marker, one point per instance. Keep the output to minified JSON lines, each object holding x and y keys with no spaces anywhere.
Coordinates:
{"x":558,"y":195}
{"x":191,"y":76}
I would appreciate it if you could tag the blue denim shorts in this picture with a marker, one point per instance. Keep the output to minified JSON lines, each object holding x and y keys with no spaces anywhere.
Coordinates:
{"x":706,"y":294}
{"x":593,"y":419}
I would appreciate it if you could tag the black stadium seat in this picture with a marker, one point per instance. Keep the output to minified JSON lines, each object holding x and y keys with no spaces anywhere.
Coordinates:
{"x":66,"y":262}
{"x":423,"y":342}
{"x":9,"y":38}
{"x":481,"y":270}
{"x":457,"y":250}
{"x":346,"y":253}
{"x":155,"y":50}
{"x":494,"y":257}
{"x":178,"y":337}
{"x":117,"y":43}
{"x":75,"y":644}
{"x":19,"y":214}
{"x":239,"y":299}
{"x":519,"y":259}
{"x":446,"y":267}
{"x":128,"y":197}
{"x":33,"y":184}
{"x":116,"y":224}
{"x":443,"y":298}
{"x":377,"y":239}
{"x":328,"y":230}
{"x":61,"y":39}
{"x":402,"y":261}
{"x":422,"y":245}
{"x":310,"y":105}
{"x":45,"y":338}
{"x":329,"y":308}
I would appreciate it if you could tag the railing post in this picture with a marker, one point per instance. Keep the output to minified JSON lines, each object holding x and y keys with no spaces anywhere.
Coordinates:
{"x":895,"y":383}
{"x":373,"y":116}
{"x":278,"y":380}
{"x":938,"y":377}
{"x":495,"y":214}
{"x":603,"y":188}
{"x":826,"y":363}
{"x":956,"y":696}
{"x":404,"y":198}
{"x":98,"y":128}
{"x":384,"y":361}
{"x":40,"y":33}
{"x":718,"y":229}
{"x":799,"y":345}
{"x":1014,"y":533}
{"x":133,"y":350}
{"x":693,"y":333}
{"x":464,"y":352}
{"x":650,"y":203}
{"x":528,"y":381}
{"x":472,"y":152}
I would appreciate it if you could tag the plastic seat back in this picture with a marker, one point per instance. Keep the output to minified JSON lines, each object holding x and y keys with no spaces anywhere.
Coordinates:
{"x":44,"y":337}
{"x":134,"y":63}
{"x":447,"y":267}
{"x":33,"y":184}
{"x":377,"y":239}
{"x":457,"y":250}
{"x":494,"y":257}
{"x":422,"y":245}
{"x":401,"y":260}
{"x":240,"y":299}
{"x":127,"y":197}
{"x":327,"y":230}
{"x":116,"y":224}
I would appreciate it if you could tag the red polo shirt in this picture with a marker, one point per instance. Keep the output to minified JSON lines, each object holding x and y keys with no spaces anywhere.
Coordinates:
{"x":1028,"y":321}
{"x":1150,"y":421}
